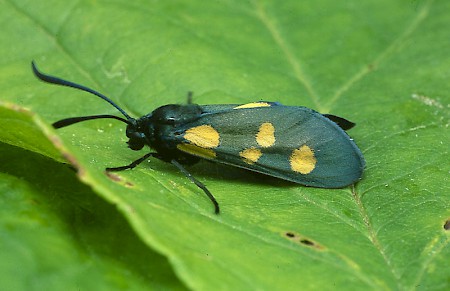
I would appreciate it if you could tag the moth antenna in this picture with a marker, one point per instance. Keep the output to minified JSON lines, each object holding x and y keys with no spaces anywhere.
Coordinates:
{"x":58,"y":81}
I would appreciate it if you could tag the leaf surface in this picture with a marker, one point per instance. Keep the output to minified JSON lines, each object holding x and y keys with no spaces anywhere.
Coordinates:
{"x":382,"y":64}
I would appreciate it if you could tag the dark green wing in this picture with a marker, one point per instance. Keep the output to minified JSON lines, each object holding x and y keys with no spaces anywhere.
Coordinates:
{"x":292,"y":143}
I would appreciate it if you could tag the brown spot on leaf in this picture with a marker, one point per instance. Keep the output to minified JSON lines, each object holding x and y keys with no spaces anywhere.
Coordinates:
{"x":19,"y":109}
{"x":371,"y":67}
{"x":74,"y":162}
{"x":118,"y":179}
{"x":112,"y":176}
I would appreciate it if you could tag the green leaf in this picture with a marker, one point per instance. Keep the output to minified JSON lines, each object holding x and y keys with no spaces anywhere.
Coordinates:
{"x":55,"y":233}
{"x":20,"y":128}
{"x":382,"y":64}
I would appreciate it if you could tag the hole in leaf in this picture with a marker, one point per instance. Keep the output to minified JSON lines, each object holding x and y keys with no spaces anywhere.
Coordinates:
{"x":307,"y":242}
{"x":447,"y":225}
{"x":302,"y":240}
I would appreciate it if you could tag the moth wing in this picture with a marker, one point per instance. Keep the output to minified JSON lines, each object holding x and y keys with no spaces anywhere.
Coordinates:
{"x":292,"y":143}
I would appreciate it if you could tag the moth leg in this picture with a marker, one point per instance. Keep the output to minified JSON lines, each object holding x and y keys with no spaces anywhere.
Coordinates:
{"x":133,"y":164}
{"x":198,"y":184}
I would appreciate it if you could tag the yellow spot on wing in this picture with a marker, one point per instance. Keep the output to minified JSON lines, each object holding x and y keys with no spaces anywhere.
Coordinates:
{"x":250,"y":156}
{"x":302,"y":160}
{"x":196,"y":151}
{"x":204,"y":136}
{"x":253,"y":105}
{"x":266,"y":135}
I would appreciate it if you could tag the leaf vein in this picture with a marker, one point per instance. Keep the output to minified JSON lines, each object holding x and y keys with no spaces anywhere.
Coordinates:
{"x":390,"y":49}
{"x":294,"y":62}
